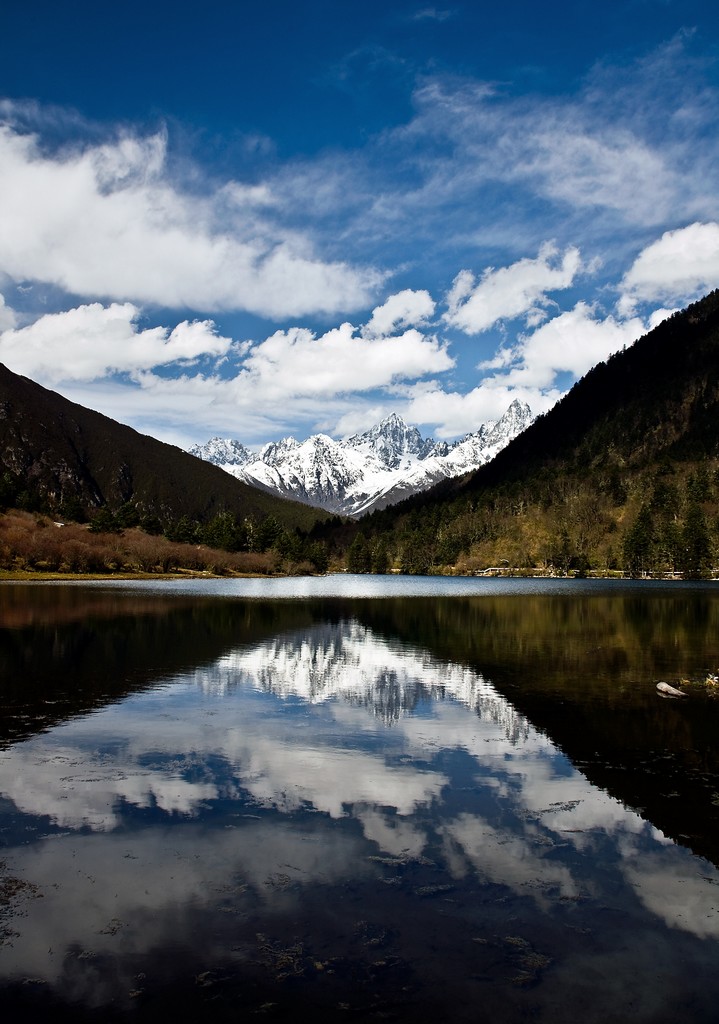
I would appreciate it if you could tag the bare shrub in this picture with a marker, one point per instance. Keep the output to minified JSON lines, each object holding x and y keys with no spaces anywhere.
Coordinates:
{"x":37,"y":543}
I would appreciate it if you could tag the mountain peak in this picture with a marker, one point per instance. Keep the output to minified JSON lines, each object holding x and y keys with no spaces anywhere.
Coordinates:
{"x":393,"y":441}
{"x":386,"y":463}
{"x":392,"y":422}
{"x":223,"y":451}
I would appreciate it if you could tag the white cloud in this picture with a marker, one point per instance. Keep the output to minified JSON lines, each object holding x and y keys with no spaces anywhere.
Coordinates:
{"x":636,"y":141}
{"x":453,"y":413}
{"x":296,"y":362}
{"x":678,"y":267}
{"x":658,"y":316}
{"x":290,"y":378}
{"x":106,"y":221}
{"x":342,"y":380}
{"x":407,"y":308}
{"x":8,"y":317}
{"x":572,"y":342}
{"x":480,"y":167}
{"x":92,"y":341}
{"x":187,"y":409}
{"x":510,"y":292}
{"x":586,"y":165}
{"x":674,"y":890}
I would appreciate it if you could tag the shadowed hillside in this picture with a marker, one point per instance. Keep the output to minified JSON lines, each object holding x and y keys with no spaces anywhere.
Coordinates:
{"x":619,"y":475}
{"x":57,"y":455}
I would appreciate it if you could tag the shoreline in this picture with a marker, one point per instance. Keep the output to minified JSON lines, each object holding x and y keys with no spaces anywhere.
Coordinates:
{"x":30,"y":576}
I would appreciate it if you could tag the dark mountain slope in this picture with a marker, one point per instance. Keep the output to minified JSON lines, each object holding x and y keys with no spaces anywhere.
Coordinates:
{"x":621,"y":474}
{"x":658,"y":398}
{"x":64,"y":453}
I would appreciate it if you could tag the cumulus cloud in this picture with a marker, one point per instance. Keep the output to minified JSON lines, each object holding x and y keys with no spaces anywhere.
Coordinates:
{"x":452,"y":413}
{"x":107,"y":221}
{"x":679,"y":266}
{"x":510,"y":292}
{"x":92,"y":341}
{"x":8,"y":317}
{"x":343,"y":381}
{"x":290,"y":377}
{"x":407,"y":308}
{"x":572,"y":343}
{"x":296,"y":362}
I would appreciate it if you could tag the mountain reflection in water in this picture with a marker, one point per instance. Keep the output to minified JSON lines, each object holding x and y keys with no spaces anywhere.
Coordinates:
{"x":316,"y":810}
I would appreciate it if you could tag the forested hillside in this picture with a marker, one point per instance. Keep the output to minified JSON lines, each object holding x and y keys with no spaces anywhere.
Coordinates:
{"x":620,"y":475}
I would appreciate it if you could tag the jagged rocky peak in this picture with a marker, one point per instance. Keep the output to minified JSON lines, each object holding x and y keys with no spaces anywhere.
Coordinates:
{"x":392,"y":439}
{"x":516,"y":419}
{"x":386,"y":463}
{"x":518,"y":413}
{"x":276,"y":452}
{"x":223,"y":451}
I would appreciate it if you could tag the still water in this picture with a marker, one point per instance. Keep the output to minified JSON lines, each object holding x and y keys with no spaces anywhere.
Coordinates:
{"x":364,"y":799}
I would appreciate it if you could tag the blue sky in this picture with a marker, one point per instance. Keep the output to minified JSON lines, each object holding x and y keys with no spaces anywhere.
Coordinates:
{"x":259,"y":220}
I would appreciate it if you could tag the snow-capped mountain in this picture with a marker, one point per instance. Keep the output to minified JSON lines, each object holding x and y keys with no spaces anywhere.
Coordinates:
{"x":367,"y":471}
{"x":224,"y":452}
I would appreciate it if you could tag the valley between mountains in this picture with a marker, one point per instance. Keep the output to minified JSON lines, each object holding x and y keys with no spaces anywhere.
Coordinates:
{"x":620,"y":477}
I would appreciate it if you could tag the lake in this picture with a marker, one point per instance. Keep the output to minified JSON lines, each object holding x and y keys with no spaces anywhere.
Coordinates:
{"x":362,"y":798}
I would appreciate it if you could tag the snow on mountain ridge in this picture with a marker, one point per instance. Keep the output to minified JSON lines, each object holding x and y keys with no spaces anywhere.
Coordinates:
{"x":223,"y":451}
{"x":393,"y":439}
{"x":387,"y":463}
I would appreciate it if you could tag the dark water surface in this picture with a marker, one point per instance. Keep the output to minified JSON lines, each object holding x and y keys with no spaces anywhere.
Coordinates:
{"x":364,"y":799}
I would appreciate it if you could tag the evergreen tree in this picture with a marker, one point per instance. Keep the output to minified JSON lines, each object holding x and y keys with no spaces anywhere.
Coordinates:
{"x":104,"y":522}
{"x":699,"y":486}
{"x":289,"y":546}
{"x":151,"y":524}
{"x":639,"y":544}
{"x":562,"y":552}
{"x":73,"y":509}
{"x":316,"y":553}
{"x":359,"y":556}
{"x":267,"y":534}
{"x":380,"y":558}
{"x":9,"y":489}
{"x":417,"y":554}
{"x":696,"y":548}
{"x":183,"y":530}
{"x":225,"y":532}
{"x":127,"y":515}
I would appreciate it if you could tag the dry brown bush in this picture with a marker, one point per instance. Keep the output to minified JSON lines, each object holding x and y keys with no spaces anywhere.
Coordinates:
{"x":37,"y":543}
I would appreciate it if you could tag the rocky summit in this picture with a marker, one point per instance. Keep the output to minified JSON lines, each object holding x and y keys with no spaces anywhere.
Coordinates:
{"x":387,"y":463}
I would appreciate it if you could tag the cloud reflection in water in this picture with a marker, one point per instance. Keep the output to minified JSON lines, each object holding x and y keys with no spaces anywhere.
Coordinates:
{"x":314,"y":760}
